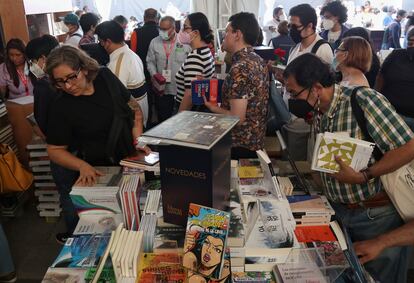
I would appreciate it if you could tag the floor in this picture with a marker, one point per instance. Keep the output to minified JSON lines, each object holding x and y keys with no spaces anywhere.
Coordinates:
{"x":33,"y":246}
{"x":32,"y":242}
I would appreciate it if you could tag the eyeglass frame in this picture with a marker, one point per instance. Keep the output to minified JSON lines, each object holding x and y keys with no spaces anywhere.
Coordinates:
{"x":69,"y":79}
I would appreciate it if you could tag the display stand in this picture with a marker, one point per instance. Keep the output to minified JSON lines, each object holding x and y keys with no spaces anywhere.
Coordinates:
{"x":195,"y":153}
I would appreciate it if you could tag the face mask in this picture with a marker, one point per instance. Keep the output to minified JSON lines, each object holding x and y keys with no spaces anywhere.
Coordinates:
{"x":294,"y":33}
{"x":282,"y":17}
{"x":328,"y":24}
{"x":164,"y":35}
{"x":37,"y":71}
{"x":65,"y":28}
{"x":299,"y":107}
{"x":184,"y":38}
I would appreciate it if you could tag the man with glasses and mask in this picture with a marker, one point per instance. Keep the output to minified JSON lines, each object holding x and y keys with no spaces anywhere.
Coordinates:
{"x":302,"y":29}
{"x":358,"y":198}
{"x":165,"y":57}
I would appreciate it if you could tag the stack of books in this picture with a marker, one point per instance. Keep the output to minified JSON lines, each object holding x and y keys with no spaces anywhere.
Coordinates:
{"x":45,"y":188}
{"x":144,"y":162}
{"x":148,"y":227}
{"x":311,"y":209}
{"x":6,"y":131}
{"x":129,"y":191}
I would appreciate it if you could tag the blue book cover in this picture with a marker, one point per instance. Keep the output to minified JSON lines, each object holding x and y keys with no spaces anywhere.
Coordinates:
{"x":211,"y":89}
{"x":82,"y":251}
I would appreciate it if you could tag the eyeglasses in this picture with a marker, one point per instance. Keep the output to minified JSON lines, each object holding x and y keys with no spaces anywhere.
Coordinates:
{"x":69,"y":79}
{"x":293,"y":94}
{"x":340,"y":49}
{"x":294,"y":26}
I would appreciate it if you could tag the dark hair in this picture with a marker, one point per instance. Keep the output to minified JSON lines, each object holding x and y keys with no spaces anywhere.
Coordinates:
{"x":401,"y":13}
{"x":87,"y":20}
{"x":410,"y":22}
{"x":79,"y":13}
{"x":40,"y":46}
{"x":120,"y":20}
{"x":282,"y":28}
{"x":18,"y":44}
{"x":199,"y":21}
{"x":260,"y":38}
{"x":305,"y":13}
{"x":337,"y":9}
{"x":74,"y":58}
{"x":110,"y":30}
{"x":248,"y":26}
{"x":308,"y":69}
{"x":410,"y":33}
{"x":151,"y":15}
{"x":276,"y":10}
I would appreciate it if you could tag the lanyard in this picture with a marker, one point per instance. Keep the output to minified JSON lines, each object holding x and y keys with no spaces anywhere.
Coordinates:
{"x":168,"y":53}
{"x":24,"y":80}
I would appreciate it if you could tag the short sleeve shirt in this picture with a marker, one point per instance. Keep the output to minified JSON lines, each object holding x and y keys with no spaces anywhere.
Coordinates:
{"x":84,"y":122}
{"x":248,"y":79}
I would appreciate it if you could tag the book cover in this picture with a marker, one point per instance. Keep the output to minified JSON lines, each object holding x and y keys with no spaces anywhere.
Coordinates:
{"x":354,"y":152}
{"x":226,"y":273}
{"x":211,"y":89}
{"x":97,"y":223}
{"x":140,"y":158}
{"x":298,"y":273}
{"x":306,"y":234}
{"x":253,"y":277}
{"x":82,"y":251}
{"x":205,"y":241}
{"x":191,"y":129}
{"x":54,"y":275}
{"x":332,"y":252}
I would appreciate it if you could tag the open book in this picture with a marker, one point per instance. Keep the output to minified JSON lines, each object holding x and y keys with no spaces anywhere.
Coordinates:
{"x":354,"y":152}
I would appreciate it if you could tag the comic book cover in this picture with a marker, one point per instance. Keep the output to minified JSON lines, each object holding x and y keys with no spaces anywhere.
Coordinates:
{"x":205,"y":242}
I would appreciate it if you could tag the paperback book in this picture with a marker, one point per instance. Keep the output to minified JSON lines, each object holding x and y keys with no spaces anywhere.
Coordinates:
{"x":205,"y":242}
{"x":210,"y":89}
{"x":354,"y":152}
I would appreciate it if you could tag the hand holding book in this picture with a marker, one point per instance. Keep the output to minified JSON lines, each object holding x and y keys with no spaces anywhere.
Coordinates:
{"x":347,"y":175}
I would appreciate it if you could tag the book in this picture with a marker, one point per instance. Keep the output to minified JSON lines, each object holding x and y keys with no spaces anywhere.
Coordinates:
{"x":82,"y":251}
{"x":140,"y":158}
{"x":253,"y":277}
{"x":211,"y":89}
{"x":298,"y":273}
{"x":205,"y":241}
{"x":64,"y":275}
{"x":354,"y":152}
{"x":97,"y":223}
{"x":332,"y":252}
{"x":191,"y":129}
{"x":321,"y":233}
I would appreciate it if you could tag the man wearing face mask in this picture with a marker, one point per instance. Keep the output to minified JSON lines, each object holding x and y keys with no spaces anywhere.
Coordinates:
{"x":396,"y":80}
{"x":358,"y":198}
{"x":124,"y":63}
{"x":303,"y":22}
{"x":334,"y":15}
{"x":36,"y":51}
{"x":270,"y":28}
{"x":72,"y":28}
{"x":165,"y":56}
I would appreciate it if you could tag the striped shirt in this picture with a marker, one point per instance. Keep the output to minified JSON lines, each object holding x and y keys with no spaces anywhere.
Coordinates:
{"x":384,"y":125}
{"x":199,"y":62}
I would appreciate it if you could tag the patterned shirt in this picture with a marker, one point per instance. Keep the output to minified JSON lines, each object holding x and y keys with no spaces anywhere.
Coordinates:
{"x":384,"y":125}
{"x":248,"y":79}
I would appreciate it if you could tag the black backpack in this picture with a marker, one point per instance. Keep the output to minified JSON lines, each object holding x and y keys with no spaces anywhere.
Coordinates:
{"x":318,"y":44}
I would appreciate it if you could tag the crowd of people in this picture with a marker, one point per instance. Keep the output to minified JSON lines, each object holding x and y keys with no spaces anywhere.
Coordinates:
{"x":95,"y":95}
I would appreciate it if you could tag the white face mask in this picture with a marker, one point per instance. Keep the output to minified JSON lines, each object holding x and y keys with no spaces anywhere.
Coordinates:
{"x":164,"y":34}
{"x":37,"y":71}
{"x":327,"y":24}
{"x":282,"y":17}
{"x":65,"y":28}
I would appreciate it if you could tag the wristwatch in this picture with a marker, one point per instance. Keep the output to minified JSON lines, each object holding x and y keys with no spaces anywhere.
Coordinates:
{"x":367,"y":174}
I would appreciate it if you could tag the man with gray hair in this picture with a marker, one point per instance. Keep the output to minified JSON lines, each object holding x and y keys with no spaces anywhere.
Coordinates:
{"x":165,"y":56}
{"x":140,"y":40}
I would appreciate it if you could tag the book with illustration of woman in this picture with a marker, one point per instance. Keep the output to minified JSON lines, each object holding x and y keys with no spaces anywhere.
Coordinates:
{"x":205,"y":243}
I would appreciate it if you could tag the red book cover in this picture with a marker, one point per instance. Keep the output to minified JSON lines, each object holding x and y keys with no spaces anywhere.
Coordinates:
{"x":307,"y":234}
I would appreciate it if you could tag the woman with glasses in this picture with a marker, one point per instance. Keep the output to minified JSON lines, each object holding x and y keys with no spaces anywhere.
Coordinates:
{"x":93,"y":114}
{"x":353,"y":59}
{"x":14,"y":72}
{"x":196,"y":32}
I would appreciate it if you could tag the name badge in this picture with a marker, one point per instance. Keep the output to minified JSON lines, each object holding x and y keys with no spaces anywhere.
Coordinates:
{"x":167,"y":75}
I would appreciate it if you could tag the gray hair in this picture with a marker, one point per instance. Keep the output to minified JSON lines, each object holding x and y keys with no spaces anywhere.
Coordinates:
{"x":168,"y":19}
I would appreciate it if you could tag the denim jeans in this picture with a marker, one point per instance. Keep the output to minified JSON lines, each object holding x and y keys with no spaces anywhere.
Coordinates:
{"x":409,"y":121}
{"x":64,"y":180}
{"x":368,"y":223}
{"x":6,"y":262}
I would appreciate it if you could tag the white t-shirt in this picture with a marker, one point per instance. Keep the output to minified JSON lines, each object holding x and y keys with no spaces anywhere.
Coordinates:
{"x":324,"y":51}
{"x":268,"y":33}
{"x":74,"y":38}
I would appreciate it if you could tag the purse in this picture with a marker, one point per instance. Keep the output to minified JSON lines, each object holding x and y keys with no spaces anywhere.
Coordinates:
{"x":13,"y":177}
{"x":399,"y":184}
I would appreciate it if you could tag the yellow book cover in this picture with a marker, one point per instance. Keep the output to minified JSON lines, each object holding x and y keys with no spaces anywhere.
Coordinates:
{"x":250,"y":172}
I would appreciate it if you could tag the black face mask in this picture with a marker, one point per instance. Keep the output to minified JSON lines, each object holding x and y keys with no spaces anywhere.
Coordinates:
{"x":294,"y":33}
{"x":300,"y":107}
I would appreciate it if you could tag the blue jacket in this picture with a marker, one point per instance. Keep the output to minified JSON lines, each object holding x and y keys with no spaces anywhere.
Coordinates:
{"x":335,"y":45}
